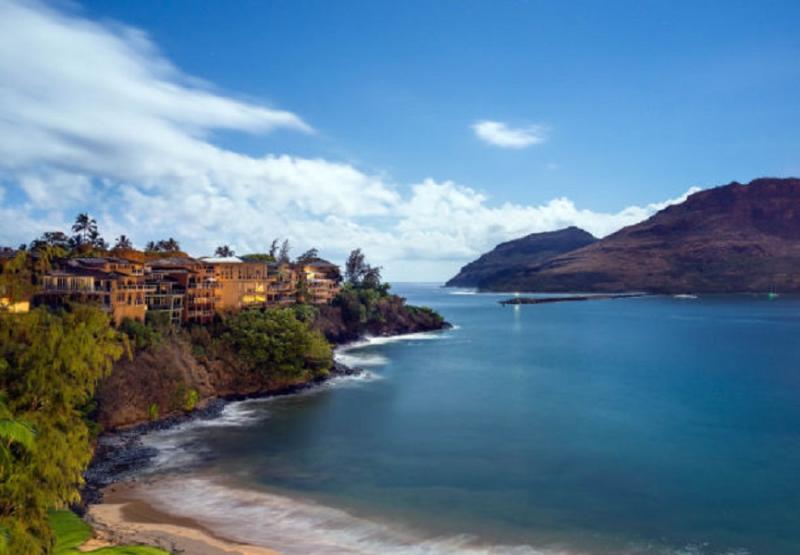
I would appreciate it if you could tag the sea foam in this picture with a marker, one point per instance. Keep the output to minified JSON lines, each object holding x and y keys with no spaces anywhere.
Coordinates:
{"x":358,"y":354}
{"x":299,"y":527}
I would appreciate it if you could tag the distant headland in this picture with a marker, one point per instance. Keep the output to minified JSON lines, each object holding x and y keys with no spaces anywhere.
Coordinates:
{"x":729,"y":239}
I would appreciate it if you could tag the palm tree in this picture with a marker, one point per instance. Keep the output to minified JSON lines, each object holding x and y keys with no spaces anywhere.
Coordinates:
{"x":123,"y":243}
{"x":273,"y":249}
{"x":308,"y":256}
{"x":151,"y":246}
{"x":84,"y":227}
{"x":168,"y":245}
{"x":12,"y":432}
{"x":97,"y":241}
{"x":224,"y":251}
{"x":283,"y":256}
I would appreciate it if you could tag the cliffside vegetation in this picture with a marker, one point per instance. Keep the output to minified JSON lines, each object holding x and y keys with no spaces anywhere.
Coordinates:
{"x":67,"y":373}
{"x":50,"y":363}
{"x":366,"y":306}
{"x":275,"y":342}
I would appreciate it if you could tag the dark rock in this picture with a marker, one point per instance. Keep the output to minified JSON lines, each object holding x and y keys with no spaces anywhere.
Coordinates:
{"x":516,"y":256}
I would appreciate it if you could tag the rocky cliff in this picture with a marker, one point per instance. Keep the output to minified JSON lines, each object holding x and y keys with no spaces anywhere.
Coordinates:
{"x":733,"y":238}
{"x":518,"y":256}
{"x":188,"y":368}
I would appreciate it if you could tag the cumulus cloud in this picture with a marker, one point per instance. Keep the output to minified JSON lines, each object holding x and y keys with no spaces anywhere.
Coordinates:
{"x":94,"y":118}
{"x":497,"y":133}
{"x":446,"y":219}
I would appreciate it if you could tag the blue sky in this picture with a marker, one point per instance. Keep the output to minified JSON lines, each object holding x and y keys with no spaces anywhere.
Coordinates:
{"x":615,"y":107}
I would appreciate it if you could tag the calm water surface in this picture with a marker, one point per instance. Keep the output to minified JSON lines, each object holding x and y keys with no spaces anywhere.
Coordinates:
{"x":647,"y":425}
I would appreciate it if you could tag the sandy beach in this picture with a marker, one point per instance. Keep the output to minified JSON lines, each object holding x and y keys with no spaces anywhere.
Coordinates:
{"x":125,"y":518}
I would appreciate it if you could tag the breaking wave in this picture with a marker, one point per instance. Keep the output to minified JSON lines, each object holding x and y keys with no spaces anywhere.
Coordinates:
{"x":299,"y":527}
{"x":172,"y":444}
{"x":359,"y":355}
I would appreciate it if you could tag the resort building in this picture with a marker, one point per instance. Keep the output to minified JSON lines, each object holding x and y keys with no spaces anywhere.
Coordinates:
{"x":320,"y":281}
{"x":240,"y":284}
{"x":165,"y":299}
{"x":9,"y":301}
{"x":116,"y":285}
{"x":184,"y":289}
{"x":14,"y":307}
{"x":193,"y":290}
{"x":281,"y":284}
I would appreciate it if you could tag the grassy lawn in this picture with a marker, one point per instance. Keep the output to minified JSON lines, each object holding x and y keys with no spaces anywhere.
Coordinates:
{"x":71,"y":532}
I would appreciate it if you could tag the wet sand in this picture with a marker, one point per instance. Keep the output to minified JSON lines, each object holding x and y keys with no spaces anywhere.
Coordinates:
{"x":125,"y":518}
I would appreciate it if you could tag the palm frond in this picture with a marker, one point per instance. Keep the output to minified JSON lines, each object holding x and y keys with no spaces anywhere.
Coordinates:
{"x":15,"y":431}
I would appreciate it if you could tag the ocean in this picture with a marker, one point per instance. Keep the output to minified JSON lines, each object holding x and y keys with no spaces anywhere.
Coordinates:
{"x":653,"y":425}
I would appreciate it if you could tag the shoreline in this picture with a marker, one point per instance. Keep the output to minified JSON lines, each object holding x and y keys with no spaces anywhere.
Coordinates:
{"x":120,"y":453}
{"x":125,"y":518}
{"x":120,"y":516}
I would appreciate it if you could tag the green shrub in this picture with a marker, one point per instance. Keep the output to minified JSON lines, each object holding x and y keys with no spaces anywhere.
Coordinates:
{"x":159,"y":321}
{"x":277,"y":344}
{"x":152,"y":411}
{"x":190,"y":403}
{"x":143,"y":336}
{"x":305,"y":313}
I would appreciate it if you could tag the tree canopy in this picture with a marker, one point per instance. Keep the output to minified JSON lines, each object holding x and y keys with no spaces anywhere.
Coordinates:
{"x":358,"y":273}
{"x":164,"y":245}
{"x":224,"y":251}
{"x":276,"y":343}
{"x":49,"y":366}
{"x":123,"y":242}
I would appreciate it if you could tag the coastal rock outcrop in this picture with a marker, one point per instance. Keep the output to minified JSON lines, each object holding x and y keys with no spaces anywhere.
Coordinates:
{"x":161,"y":379}
{"x":508,"y":259}
{"x":392,"y":317}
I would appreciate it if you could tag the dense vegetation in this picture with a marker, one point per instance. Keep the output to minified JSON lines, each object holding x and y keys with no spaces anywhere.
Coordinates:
{"x":277,"y":343}
{"x":365,"y":305}
{"x":50,"y":364}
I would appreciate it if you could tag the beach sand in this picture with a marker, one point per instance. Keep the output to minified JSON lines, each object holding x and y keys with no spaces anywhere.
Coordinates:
{"x":125,"y":518}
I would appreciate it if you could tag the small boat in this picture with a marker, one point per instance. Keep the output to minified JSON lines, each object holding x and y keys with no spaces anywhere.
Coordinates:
{"x":684,"y":296}
{"x":772,"y":295}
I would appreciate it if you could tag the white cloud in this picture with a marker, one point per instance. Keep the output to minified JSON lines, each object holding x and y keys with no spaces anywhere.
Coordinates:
{"x":499,"y":134}
{"x":449,"y":220}
{"x":93,"y":118}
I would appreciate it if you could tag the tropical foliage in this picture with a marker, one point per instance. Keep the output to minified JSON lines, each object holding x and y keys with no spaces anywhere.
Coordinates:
{"x":49,"y":366}
{"x":16,"y":278}
{"x":277,"y":343}
{"x":170,"y":245}
{"x":224,"y":251}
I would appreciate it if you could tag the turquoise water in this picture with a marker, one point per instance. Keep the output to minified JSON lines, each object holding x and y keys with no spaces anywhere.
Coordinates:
{"x":646,"y":425}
